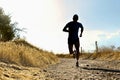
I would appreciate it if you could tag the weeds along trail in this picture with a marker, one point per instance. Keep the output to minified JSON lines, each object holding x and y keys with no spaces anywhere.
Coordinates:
{"x":22,"y":53}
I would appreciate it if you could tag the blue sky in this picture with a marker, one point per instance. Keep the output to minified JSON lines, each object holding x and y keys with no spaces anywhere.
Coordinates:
{"x":45,"y":19}
{"x":98,"y":14}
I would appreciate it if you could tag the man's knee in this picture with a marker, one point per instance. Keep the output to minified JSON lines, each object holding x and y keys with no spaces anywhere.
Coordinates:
{"x":70,"y":51}
{"x":70,"y":46}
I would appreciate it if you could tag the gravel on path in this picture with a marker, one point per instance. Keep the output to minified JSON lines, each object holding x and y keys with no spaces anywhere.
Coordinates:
{"x":88,"y":70}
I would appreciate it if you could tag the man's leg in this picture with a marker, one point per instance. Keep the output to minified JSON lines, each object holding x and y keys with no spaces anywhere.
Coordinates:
{"x":77,"y":45}
{"x":70,"y":46}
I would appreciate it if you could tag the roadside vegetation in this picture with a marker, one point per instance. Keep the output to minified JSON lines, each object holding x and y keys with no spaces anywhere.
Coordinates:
{"x":21,"y":52}
{"x":104,"y":53}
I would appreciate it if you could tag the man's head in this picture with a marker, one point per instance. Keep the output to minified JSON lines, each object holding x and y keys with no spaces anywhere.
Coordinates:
{"x":75,"y":17}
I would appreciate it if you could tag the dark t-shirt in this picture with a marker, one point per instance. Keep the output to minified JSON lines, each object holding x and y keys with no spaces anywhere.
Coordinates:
{"x":73,"y":28}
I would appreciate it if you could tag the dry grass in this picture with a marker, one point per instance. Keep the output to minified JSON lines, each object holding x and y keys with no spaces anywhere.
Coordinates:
{"x":98,"y":56}
{"x":106,"y":56}
{"x":22,"y":53}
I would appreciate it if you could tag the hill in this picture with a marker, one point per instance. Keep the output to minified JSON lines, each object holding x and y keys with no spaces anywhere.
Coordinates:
{"x":23,"y":53}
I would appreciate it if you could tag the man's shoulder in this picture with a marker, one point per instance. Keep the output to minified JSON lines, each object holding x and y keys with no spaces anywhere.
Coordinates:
{"x":72,"y":23}
{"x":80,"y":24}
{"x":69,"y":23}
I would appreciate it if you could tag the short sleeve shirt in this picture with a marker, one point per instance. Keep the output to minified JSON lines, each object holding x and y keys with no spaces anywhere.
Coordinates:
{"x":73,"y":28}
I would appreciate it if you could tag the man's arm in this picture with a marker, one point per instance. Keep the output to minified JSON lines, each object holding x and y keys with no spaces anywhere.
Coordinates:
{"x":82,"y":29}
{"x":65,"y":29}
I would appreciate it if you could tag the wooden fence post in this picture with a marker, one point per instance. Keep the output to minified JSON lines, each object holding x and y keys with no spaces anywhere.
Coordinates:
{"x":96,"y":44}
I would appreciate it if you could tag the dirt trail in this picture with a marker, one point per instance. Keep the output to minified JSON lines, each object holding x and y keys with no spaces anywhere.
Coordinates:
{"x":65,"y":70}
{"x":15,"y":72}
{"x":88,"y":70}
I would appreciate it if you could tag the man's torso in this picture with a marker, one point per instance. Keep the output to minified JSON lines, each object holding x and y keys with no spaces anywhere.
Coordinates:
{"x":73,"y":30}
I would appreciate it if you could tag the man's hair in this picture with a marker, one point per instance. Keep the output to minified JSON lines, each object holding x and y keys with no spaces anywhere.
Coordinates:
{"x":75,"y":17}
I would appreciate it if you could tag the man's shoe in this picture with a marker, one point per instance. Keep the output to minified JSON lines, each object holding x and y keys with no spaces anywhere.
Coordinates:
{"x":77,"y":64}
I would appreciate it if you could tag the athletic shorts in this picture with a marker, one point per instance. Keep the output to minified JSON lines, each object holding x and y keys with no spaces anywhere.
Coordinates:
{"x":73,"y":41}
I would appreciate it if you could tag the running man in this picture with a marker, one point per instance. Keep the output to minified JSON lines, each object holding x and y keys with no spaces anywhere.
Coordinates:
{"x":73,"y":39}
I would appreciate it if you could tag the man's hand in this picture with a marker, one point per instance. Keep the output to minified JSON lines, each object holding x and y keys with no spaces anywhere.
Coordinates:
{"x":65,"y":29}
{"x":81,"y":35}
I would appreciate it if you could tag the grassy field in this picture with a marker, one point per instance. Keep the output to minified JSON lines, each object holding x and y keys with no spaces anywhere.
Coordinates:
{"x":23,"y":53}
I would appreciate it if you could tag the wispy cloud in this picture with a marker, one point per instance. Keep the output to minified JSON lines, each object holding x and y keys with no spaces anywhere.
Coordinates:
{"x":111,"y":35}
{"x":90,"y":36}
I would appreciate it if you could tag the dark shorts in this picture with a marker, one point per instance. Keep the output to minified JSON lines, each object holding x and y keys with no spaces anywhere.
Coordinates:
{"x":73,"y":41}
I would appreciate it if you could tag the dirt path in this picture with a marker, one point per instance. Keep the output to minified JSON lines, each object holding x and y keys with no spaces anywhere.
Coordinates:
{"x":88,"y":70}
{"x":65,"y":70}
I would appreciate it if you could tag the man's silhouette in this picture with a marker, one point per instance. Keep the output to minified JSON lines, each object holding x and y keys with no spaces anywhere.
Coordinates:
{"x":73,"y":39}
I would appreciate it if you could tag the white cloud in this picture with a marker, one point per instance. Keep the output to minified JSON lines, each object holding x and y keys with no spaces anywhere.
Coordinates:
{"x":90,"y":36}
{"x":110,"y":35}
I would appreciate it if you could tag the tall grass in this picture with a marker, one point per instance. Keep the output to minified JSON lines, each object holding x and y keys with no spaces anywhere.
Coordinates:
{"x":95,"y":56}
{"x":22,"y":53}
{"x":106,"y":56}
